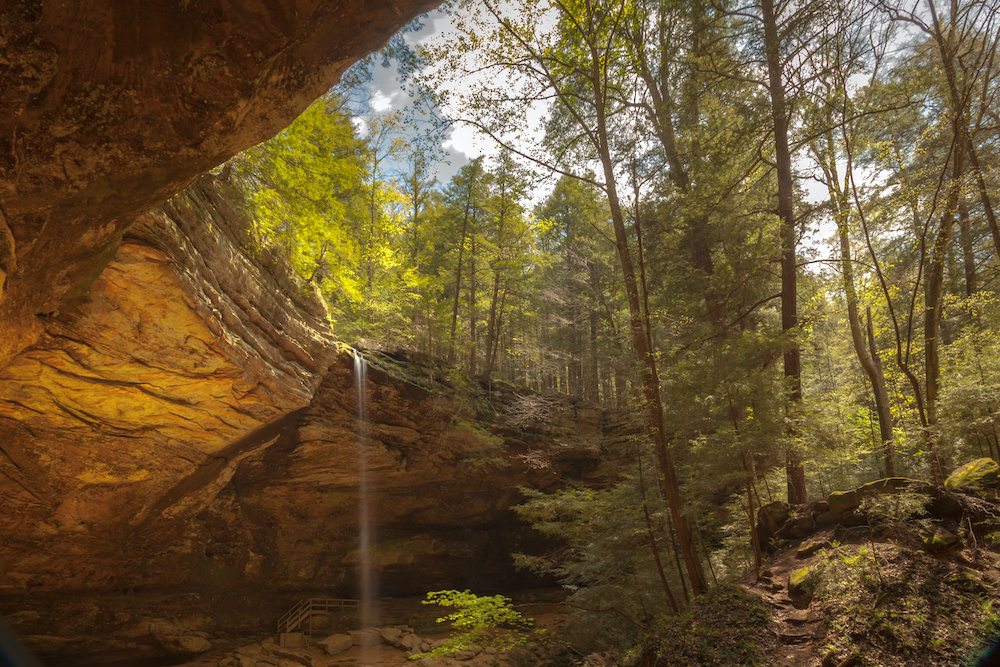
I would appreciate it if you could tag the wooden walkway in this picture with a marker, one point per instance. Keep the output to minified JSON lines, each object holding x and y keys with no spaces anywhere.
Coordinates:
{"x":304,"y":610}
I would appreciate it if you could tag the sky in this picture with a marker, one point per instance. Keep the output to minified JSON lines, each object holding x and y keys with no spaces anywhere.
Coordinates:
{"x":464,"y":143}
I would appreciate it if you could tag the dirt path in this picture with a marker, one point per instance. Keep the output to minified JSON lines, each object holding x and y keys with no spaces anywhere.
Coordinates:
{"x":796,"y":619}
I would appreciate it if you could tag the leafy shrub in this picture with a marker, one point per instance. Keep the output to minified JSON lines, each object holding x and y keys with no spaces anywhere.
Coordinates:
{"x":485,"y":620}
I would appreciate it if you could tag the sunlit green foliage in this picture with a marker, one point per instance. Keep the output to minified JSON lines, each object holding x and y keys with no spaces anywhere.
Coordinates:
{"x":484,"y":621}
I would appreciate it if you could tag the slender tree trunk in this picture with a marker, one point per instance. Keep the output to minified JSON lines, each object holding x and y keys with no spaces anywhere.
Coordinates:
{"x":491,"y":327}
{"x":650,"y":535}
{"x":458,"y":286}
{"x":472,"y":304}
{"x":593,"y":387}
{"x":868,"y":365}
{"x":751,"y":471}
{"x":786,"y":211}
{"x":960,"y":107}
{"x":968,"y":254}
{"x":869,"y":362}
{"x":882,"y":404}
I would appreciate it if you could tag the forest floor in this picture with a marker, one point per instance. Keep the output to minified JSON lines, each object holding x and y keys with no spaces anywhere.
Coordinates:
{"x":862,"y":598}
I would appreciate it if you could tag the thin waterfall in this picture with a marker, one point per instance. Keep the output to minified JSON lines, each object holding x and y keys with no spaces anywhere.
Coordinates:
{"x":368,"y":579}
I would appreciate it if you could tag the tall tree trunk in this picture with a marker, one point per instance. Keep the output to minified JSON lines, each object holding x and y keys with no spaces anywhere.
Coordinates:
{"x":458,"y":286}
{"x":882,"y":404}
{"x":786,"y":211}
{"x":645,"y":356}
{"x":933,"y":290}
{"x":472,"y":303}
{"x":968,"y":254}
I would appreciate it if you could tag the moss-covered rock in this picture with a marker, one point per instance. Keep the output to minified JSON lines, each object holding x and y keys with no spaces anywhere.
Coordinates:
{"x":941,"y":540}
{"x":803,"y":581}
{"x":973,"y":475}
{"x":810,"y":548}
{"x":841,"y":502}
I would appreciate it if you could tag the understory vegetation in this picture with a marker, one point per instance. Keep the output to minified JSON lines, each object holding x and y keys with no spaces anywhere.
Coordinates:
{"x":764,"y":232}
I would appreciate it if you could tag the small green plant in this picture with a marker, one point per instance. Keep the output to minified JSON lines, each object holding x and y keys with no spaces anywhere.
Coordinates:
{"x":487,"y":450}
{"x":483,"y":620}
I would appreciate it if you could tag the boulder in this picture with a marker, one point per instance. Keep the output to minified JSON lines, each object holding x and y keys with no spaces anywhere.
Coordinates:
{"x":803,"y":523}
{"x":335,"y":644}
{"x":842,"y":502}
{"x":770,"y":518}
{"x":973,"y":475}
{"x":945,"y":506}
{"x":390,"y":635}
{"x":810,"y":548}
{"x":803,"y":581}
{"x":409,"y":642}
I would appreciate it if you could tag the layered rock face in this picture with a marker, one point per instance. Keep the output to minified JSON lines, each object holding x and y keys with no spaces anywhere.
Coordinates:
{"x":193,"y":414}
{"x":192,"y":424}
{"x":182,"y":348}
{"x":108,"y":108}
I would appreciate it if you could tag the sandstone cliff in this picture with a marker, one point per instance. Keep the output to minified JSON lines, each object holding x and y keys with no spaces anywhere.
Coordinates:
{"x":193,"y":412}
{"x":192,"y":423}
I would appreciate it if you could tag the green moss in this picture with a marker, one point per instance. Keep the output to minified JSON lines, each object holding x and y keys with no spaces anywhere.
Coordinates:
{"x":940,"y":541}
{"x":802,"y":581}
{"x":973,"y":474}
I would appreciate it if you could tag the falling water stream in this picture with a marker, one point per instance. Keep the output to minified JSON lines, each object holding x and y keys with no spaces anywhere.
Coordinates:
{"x":368,"y":580}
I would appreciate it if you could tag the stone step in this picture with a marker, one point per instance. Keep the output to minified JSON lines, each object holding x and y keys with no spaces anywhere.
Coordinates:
{"x":795,"y":635}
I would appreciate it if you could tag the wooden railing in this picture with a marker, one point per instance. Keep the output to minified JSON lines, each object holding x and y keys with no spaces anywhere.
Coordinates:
{"x":305,"y":609}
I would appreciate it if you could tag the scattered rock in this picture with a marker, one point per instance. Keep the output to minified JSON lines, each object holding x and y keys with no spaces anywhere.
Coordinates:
{"x":192,"y":643}
{"x":940,"y":541}
{"x":811,"y":548}
{"x":794,"y":635}
{"x":973,"y":475}
{"x":297,"y":658}
{"x":336,"y":644}
{"x":390,"y":635}
{"x":409,"y":642}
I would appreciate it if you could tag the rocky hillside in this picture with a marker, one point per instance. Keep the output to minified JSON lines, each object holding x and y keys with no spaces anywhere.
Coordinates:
{"x":893,"y":573}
